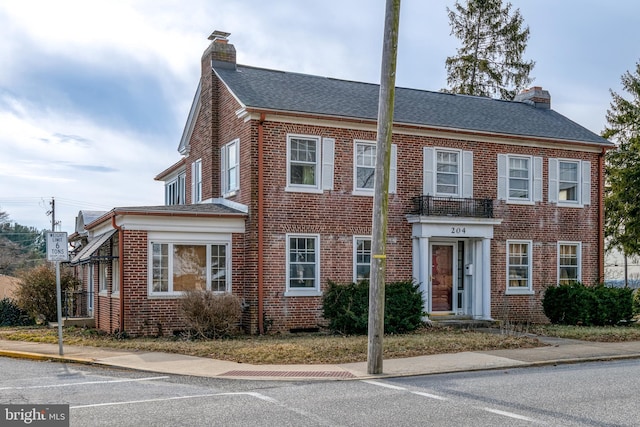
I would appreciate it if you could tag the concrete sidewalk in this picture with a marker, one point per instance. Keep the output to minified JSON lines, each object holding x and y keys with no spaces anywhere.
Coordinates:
{"x":556,"y":351}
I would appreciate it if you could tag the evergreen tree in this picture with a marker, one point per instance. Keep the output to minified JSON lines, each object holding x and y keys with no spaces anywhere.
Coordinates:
{"x":489,"y":62}
{"x":622,"y":204}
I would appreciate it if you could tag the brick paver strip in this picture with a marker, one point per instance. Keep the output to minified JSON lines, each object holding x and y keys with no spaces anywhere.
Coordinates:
{"x":317,"y":374}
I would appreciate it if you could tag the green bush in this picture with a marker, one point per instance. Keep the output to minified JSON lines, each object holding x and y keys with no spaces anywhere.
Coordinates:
{"x":12,"y":315}
{"x":577,"y":304}
{"x":37,"y":293}
{"x":346,"y":307}
{"x":636,"y":301}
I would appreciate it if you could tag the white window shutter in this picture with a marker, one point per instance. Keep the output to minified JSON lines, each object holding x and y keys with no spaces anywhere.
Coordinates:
{"x":467,"y":174}
{"x":428,"y":180}
{"x":553,"y":180}
{"x":393,"y":171}
{"x":537,"y":179}
{"x":586,"y":182}
{"x":223,"y":170}
{"x":193,"y":183}
{"x":237,"y":165}
{"x":502,"y":177}
{"x":328,"y":153}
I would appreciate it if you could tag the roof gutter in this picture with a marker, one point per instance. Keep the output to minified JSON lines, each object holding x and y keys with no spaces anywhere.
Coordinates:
{"x":120,"y":268}
{"x":261,"y":224}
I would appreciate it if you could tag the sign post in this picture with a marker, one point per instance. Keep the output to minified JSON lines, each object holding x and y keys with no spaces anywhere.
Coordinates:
{"x":58,"y":250}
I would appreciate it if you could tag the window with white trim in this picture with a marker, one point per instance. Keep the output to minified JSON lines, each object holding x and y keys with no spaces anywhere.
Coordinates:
{"x":361,"y":258}
{"x":103,"y":275}
{"x":303,"y":162}
{"x":303,"y":263}
{"x":569,"y":182}
{"x":519,"y":262}
{"x":365,"y":165}
{"x":569,"y":262}
{"x":174,"y":191}
{"x":175,"y":267}
{"x":196,"y":181}
{"x":447,"y":172}
{"x":230,"y":170}
{"x":519,"y":178}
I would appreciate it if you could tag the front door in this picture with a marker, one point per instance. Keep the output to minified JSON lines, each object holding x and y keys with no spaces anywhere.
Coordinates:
{"x":443,"y":277}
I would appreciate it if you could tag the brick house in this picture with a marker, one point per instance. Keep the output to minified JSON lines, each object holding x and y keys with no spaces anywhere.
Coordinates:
{"x":490,"y":203}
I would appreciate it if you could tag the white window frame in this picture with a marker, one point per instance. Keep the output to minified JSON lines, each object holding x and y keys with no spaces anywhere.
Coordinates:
{"x":316,"y":187}
{"x":356,"y":264}
{"x":520,"y":290}
{"x":300,"y":291}
{"x":534,"y":179}
{"x":458,"y":153}
{"x":356,"y":145}
{"x":103,"y":287}
{"x":578,"y":266}
{"x":174,"y":193}
{"x":430,"y":172}
{"x":229,"y":167}
{"x":196,"y":181}
{"x":583,"y":185}
{"x":170,"y":244}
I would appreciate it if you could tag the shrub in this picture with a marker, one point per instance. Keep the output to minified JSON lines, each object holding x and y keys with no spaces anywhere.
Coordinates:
{"x":636,"y":301}
{"x":577,"y":304}
{"x":12,"y":315}
{"x":346,"y":307}
{"x":37,"y":293}
{"x":211,"y":315}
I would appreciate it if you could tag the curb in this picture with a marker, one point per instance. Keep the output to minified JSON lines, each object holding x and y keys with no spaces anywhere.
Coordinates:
{"x":45,"y":357}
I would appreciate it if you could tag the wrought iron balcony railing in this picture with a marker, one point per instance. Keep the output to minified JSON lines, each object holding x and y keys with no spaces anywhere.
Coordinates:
{"x":452,"y":206}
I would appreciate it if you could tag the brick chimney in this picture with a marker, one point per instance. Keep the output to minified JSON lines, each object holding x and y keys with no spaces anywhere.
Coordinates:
{"x":220,"y":52}
{"x":535,"y":96}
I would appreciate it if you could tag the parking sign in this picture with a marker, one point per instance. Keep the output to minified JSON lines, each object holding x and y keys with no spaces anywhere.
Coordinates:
{"x":57,"y":246}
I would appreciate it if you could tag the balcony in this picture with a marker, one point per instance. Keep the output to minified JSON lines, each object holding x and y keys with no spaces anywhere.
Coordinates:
{"x":452,"y":206}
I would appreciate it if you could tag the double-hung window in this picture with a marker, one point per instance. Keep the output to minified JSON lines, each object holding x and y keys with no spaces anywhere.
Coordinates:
{"x":569,"y":262}
{"x":570,"y":182}
{"x":361,"y":258}
{"x":230,"y":171}
{"x":175,"y":191}
{"x":176,"y":267}
{"x":196,"y":181}
{"x":447,"y":172}
{"x":303,"y":162}
{"x":519,"y":178}
{"x":519,"y":262}
{"x":303,"y":264}
{"x":115,"y":267}
{"x":365,"y":165}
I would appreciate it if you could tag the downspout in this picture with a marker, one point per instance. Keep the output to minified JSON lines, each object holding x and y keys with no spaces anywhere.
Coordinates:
{"x":601,"y":248}
{"x":120,"y":268}
{"x":260,"y":225}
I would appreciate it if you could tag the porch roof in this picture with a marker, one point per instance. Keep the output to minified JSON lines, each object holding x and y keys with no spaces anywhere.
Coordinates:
{"x":86,"y":253}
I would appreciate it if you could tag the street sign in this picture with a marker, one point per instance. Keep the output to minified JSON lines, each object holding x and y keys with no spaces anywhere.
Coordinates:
{"x":57,"y":246}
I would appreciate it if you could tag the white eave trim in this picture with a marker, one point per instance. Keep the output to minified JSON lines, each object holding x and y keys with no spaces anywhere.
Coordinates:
{"x":184,"y":146}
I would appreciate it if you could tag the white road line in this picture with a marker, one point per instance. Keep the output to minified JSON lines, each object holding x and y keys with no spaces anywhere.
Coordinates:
{"x":393,"y":387}
{"x":165,"y":399}
{"x":84,"y":383}
{"x":510,"y":415}
{"x":429,"y":395}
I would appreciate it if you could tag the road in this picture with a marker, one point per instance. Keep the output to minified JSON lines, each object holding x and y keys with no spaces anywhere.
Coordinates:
{"x":591,"y":394}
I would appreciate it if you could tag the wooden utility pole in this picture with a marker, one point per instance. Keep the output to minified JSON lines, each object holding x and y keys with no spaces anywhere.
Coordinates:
{"x":381,"y":194}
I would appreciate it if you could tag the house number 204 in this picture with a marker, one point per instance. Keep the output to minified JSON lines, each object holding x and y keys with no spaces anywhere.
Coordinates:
{"x":458,"y":230}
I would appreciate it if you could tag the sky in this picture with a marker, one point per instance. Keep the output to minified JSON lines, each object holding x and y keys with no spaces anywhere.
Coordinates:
{"x":94,"y":95}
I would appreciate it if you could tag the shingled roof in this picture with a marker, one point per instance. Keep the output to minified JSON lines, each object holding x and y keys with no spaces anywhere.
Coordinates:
{"x":292,"y":92}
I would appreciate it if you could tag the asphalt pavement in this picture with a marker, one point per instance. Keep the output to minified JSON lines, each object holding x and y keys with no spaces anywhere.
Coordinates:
{"x":556,"y":351}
